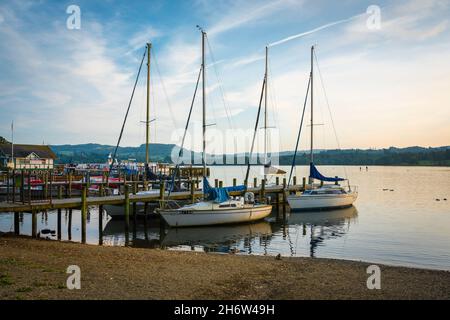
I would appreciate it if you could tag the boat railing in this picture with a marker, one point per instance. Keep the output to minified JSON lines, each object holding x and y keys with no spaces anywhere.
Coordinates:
{"x":352,"y":188}
{"x":169,"y":204}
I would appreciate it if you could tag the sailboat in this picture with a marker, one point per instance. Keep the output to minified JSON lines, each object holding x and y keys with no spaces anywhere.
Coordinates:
{"x":217,"y":207}
{"x":117,"y":211}
{"x":269,"y":170}
{"x":324,"y":196}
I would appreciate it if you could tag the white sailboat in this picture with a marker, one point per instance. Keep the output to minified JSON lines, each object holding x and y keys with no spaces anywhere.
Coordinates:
{"x":218,"y":207}
{"x":117,"y":211}
{"x":269,"y":169}
{"x":324,"y":196}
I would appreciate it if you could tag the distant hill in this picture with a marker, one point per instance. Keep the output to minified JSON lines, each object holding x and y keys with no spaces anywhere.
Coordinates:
{"x":97,"y":153}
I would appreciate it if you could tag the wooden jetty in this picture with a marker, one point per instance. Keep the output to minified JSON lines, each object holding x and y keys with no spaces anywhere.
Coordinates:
{"x":274,"y":194}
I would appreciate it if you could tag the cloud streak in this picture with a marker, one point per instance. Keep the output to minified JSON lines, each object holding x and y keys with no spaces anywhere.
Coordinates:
{"x":325,"y":26}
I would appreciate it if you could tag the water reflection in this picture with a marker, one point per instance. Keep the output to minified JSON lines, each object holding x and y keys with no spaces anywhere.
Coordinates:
{"x":322,"y":226}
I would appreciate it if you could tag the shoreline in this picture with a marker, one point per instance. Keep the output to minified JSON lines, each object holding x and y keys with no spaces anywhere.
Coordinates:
{"x":36,"y":269}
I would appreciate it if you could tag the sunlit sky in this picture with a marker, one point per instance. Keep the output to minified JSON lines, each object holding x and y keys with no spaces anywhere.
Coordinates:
{"x":386,"y":85}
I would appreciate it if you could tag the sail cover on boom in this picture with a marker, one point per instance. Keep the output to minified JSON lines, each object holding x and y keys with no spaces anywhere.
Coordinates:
{"x":314,"y":173}
{"x":219,"y":195}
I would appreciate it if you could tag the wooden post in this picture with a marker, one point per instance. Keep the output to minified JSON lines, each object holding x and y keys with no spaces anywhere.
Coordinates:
{"x":51,"y":187}
{"x":234,"y":182}
{"x":100,"y":224}
{"x":216,"y":183}
{"x":220,"y":184}
{"x":255,"y":182}
{"x":16,"y":223}
{"x":33,"y":224}
{"x":14,"y":186}
{"x":304,"y":183}
{"x":127,"y":209}
{"x":162,"y":186}
{"x":70,"y":185}
{"x":294,"y":181}
{"x":7,"y":185}
{"x":22,"y":186}
{"x":45,"y":185}
{"x":59,"y":192}
{"x":69,"y":225}
{"x":58,"y":227}
{"x":263,"y":190}
{"x":277,"y":181}
{"x":83,"y":214}
{"x":134,"y":203}
{"x":192,"y":191}
{"x":29,"y":186}
{"x":321,"y":183}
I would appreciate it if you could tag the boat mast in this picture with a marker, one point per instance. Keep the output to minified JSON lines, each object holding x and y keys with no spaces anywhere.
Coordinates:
{"x":203,"y":103}
{"x":265,"y":113}
{"x":147,"y":123}
{"x":312,"y":104}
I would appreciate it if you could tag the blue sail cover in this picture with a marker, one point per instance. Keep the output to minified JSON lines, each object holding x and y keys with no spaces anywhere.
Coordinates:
{"x":314,"y":173}
{"x":219,"y":195}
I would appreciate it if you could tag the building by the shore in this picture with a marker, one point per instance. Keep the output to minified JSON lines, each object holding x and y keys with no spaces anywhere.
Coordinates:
{"x":26,"y":157}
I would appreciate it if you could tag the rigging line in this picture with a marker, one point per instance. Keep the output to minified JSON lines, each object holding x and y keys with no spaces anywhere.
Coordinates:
{"x":219,"y":80}
{"x":329,"y":109}
{"x":222,"y":92}
{"x":256,"y":130}
{"x":177,"y":167}
{"x":299,"y":132}
{"x":164,"y":90}
{"x":126,"y":114}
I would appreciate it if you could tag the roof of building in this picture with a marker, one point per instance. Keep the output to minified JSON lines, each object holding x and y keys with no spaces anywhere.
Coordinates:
{"x":24,"y":150}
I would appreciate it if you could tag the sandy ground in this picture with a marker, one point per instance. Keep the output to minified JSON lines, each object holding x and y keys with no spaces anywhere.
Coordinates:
{"x":36,"y":269}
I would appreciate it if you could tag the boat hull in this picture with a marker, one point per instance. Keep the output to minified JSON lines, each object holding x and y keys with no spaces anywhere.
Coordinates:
{"x":190,"y":218}
{"x":117,"y":211}
{"x":320,"y":202}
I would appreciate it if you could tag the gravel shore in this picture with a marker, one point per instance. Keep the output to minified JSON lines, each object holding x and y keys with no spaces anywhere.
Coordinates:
{"x":36,"y":269}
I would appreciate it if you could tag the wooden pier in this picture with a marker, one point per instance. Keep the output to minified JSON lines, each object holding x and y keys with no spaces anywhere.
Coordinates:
{"x":127,"y":197}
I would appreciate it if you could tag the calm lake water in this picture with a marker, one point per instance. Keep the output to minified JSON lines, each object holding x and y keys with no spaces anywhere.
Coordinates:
{"x":396,"y":220}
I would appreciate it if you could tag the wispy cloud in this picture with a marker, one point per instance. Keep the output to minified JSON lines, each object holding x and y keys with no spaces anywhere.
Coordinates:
{"x":306,"y":33}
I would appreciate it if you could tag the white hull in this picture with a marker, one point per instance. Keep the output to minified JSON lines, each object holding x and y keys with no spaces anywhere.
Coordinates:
{"x":188,"y":218}
{"x":117,"y":211}
{"x":311,"y":202}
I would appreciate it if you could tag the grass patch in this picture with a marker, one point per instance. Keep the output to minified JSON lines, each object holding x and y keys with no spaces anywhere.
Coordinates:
{"x":38,"y":284}
{"x":5,"y":280}
{"x":24,"y":289}
{"x":9,"y":262}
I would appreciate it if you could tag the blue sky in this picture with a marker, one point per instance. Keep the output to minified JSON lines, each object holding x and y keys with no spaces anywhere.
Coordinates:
{"x":386,"y":86}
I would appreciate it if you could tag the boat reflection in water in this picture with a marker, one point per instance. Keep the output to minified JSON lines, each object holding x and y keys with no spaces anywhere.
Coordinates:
{"x":222,"y":238}
{"x":322,"y":226}
{"x":270,"y":236}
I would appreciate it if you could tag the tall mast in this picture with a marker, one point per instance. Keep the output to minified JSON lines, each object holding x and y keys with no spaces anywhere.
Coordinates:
{"x":265,"y":111}
{"x":12,"y":144}
{"x":203,"y":103}
{"x":312,"y":103}
{"x":147,"y":123}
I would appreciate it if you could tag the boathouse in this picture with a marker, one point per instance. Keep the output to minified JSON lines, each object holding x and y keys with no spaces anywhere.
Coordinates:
{"x":26,"y":156}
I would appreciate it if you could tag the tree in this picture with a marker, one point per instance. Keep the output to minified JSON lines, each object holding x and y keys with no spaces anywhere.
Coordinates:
{"x":4,"y":141}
